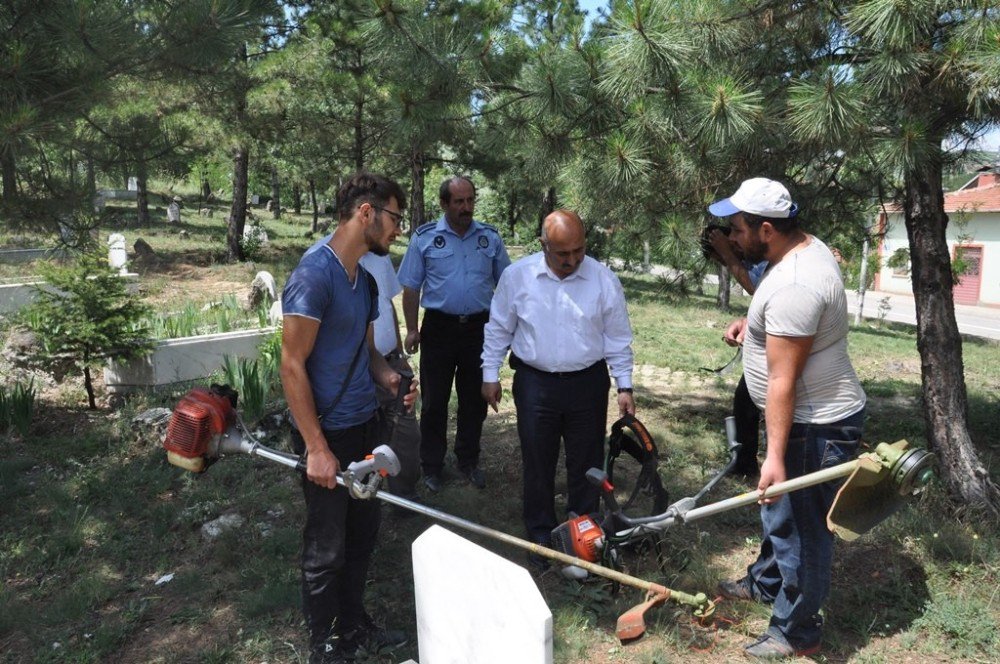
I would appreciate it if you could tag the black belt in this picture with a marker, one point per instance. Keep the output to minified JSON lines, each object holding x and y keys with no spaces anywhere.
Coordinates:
{"x":517,"y":363}
{"x":462,"y":319}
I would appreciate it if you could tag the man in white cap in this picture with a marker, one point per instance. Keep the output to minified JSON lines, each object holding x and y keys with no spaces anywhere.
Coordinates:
{"x":797,"y":370}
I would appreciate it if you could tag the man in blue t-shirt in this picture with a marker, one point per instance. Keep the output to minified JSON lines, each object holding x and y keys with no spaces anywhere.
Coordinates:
{"x":329,"y":368}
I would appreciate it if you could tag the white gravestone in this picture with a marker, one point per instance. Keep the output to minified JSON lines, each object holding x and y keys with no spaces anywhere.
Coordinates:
{"x":474,"y":607}
{"x":256,"y":233}
{"x":117,"y":254}
{"x":133,"y":184}
{"x":174,"y":212}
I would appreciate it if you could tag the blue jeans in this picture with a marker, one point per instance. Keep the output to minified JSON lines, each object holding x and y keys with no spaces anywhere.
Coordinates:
{"x":793,"y":570}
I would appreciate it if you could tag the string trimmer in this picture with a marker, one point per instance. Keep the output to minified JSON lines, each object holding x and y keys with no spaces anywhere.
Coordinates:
{"x":205,"y":427}
{"x":878,"y":484}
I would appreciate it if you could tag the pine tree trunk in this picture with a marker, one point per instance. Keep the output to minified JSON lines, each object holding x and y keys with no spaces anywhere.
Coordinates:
{"x":238,"y":211}
{"x":91,"y":178}
{"x":512,"y":213}
{"x":275,"y":193}
{"x":297,"y":198}
{"x":142,"y":194}
{"x":722,"y":297}
{"x":548,"y":206}
{"x":206,"y":190}
{"x":417,"y":192}
{"x":312,"y":197}
{"x":358,"y":149}
{"x":939,"y":343}
{"x":88,"y":383}
{"x":8,"y":167}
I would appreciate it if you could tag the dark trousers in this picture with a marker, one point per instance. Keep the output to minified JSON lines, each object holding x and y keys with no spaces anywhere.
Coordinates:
{"x":747,"y":430}
{"x":792,"y":571}
{"x":450,"y":350}
{"x":572,"y":408}
{"x":337,"y":541}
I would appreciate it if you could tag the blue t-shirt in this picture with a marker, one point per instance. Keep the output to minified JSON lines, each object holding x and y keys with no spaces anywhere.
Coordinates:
{"x":319,"y":289}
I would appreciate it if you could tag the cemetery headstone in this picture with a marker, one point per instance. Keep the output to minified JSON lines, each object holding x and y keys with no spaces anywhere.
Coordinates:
{"x":133,"y":184}
{"x":263,"y":289}
{"x":117,"y":254}
{"x":174,"y":211}
{"x":474,"y":607}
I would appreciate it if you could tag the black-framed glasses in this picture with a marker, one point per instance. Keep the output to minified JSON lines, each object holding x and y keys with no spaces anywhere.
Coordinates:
{"x":397,"y":217}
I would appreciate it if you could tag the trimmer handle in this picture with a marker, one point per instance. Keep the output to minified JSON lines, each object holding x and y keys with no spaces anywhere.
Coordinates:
{"x":405,"y":381}
{"x":599,"y":478}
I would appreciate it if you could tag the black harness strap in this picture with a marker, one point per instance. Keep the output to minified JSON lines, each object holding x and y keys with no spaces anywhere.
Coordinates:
{"x":643,"y":450}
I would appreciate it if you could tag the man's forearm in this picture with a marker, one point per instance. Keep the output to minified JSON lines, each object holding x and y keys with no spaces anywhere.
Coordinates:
{"x":411,"y":306}
{"x":779,"y":415}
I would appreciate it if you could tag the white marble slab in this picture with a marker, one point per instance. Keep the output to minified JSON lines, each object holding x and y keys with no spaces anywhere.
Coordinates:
{"x":474,"y":607}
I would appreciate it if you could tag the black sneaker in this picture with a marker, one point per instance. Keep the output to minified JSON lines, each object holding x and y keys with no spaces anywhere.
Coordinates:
{"x":475,"y":477}
{"x":433,"y":482}
{"x":369,"y":637}
{"x":738,"y":590}
{"x":328,"y":652}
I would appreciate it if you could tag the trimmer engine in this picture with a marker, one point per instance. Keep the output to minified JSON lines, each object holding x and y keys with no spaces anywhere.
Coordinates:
{"x":199,"y":420}
{"x":581,"y":537}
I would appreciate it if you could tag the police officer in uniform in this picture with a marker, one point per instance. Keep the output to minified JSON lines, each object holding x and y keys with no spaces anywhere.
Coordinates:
{"x":451,"y":267}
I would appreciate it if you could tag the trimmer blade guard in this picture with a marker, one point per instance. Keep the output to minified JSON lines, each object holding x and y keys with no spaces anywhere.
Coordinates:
{"x":632,"y":624}
{"x":878,"y":488}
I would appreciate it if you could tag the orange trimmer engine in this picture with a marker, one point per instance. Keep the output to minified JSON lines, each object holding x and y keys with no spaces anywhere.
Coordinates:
{"x":581,"y":537}
{"x":200,"y":417}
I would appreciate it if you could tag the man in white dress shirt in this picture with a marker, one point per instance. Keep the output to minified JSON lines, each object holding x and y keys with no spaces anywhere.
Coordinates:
{"x":563,"y":316}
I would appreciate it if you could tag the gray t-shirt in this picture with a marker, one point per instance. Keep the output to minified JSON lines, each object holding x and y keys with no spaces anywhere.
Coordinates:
{"x":803,"y":296}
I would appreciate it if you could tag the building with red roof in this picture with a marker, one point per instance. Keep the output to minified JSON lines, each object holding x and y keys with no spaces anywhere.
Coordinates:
{"x":973,"y":235}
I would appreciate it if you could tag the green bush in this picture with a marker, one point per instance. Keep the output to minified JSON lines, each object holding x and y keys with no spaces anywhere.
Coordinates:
{"x":17,"y":407}
{"x":83,"y":316}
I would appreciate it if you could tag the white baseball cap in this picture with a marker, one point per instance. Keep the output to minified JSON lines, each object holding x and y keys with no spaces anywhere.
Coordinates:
{"x":759,"y":196}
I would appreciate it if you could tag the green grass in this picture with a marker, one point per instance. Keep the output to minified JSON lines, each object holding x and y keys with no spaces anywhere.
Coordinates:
{"x":91,"y":515}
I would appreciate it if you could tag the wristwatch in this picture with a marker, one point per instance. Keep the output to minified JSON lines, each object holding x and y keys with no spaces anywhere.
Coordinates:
{"x":624,"y":390}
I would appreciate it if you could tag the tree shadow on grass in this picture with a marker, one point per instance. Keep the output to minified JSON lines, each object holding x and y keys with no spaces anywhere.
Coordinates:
{"x":878,"y":591}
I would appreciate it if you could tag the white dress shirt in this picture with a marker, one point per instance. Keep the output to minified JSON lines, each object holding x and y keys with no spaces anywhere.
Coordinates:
{"x":380,"y":267}
{"x":558,"y":325}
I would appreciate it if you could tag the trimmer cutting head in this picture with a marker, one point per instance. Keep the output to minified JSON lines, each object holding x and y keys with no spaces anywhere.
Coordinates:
{"x":879,"y":487}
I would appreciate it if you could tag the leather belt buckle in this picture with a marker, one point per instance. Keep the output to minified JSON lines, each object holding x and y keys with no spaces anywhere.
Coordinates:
{"x":463,"y":318}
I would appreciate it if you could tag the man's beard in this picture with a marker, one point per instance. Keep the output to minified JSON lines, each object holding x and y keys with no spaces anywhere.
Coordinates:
{"x":756,"y":252}
{"x":372,"y":234}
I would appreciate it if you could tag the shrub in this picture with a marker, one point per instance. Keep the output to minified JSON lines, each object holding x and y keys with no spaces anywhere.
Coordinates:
{"x":84,"y":315}
{"x":17,"y":407}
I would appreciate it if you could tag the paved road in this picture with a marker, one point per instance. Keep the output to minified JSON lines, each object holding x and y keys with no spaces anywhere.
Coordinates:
{"x":975,"y":321}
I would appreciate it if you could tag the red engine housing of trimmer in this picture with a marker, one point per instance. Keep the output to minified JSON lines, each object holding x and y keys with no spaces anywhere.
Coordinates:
{"x":581,"y":537}
{"x":200,"y":417}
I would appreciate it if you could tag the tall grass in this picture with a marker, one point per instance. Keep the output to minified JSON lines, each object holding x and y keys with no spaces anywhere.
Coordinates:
{"x":254,"y":380}
{"x":17,"y":406}
{"x":225,"y":315}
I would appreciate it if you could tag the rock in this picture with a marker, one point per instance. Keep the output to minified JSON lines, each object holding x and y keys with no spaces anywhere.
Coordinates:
{"x":152,"y":424}
{"x":205,"y":212}
{"x":213,"y":529}
{"x":263,"y":290}
{"x":23,"y":350}
{"x":184,"y":234}
{"x":143,"y":251}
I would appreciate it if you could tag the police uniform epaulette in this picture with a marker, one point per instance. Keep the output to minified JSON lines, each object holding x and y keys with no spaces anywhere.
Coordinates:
{"x":423,"y":228}
{"x":490,"y":227}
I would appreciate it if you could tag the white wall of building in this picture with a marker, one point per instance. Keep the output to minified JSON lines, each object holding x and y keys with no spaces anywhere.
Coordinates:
{"x":972,"y":228}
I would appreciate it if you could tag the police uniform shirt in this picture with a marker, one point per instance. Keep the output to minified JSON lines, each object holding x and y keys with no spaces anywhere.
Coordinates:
{"x":456,"y":274}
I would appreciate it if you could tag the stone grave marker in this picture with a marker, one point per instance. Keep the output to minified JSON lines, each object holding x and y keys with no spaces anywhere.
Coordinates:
{"x":474,"y":607}
{"x":117,"y":254}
